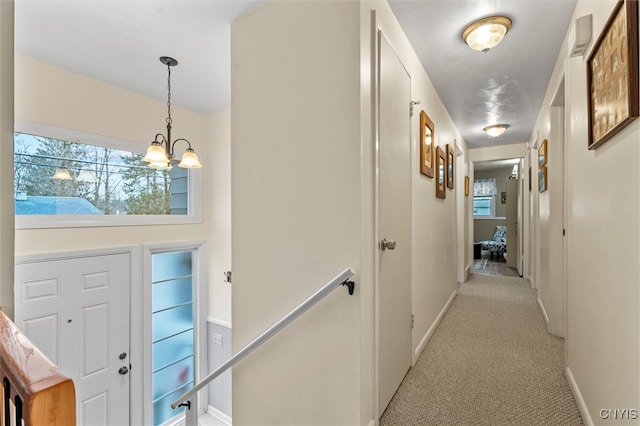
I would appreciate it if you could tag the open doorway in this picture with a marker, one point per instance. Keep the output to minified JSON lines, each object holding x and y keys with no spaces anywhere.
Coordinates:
{"x":497,"y":209}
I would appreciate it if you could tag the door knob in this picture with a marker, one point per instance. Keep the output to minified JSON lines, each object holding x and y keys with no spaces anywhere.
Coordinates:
{"x":123,"y":370}
{"x":387,"y":244}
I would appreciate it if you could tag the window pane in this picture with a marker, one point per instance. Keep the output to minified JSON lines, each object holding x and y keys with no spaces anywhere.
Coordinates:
{"x":167,"y":294}
{"x":482,"y":206}
{"x":173,"y":349}
{"x":172,"y":331}
{"x":58,"y":177}
{"x":171,"y":265}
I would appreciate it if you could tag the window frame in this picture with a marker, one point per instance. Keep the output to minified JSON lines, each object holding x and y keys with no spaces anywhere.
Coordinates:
{"x":200,"y":297}
{"x":83,"y":221}
{"x":492,"y":207}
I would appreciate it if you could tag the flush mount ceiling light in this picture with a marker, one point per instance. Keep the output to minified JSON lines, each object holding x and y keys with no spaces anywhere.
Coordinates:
{"x":160,"y":153}
{"x":486,"y":33}
{"x":496,"y":129}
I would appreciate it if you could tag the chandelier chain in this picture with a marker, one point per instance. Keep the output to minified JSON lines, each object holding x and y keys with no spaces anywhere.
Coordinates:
{"x":169,"y":121}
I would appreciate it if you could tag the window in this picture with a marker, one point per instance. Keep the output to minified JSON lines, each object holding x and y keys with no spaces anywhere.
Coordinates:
{"x":484,"y":194}
{"x":172,"y":329}
{"x":483,"y":205}
{"x":68,"y":176}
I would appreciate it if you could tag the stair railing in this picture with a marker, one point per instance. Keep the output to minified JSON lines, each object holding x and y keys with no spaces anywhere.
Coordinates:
{"x":34,"y":392}
{"x":187,"y":399}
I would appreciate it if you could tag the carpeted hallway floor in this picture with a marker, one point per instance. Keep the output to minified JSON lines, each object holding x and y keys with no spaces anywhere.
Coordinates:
{"x":490,"y":362}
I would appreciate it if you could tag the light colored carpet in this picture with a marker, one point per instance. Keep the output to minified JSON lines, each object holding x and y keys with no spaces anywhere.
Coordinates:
{"x":490,"y":362}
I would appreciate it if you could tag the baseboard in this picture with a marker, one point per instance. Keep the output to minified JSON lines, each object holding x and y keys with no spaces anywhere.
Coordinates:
{"x":544,"y":312}
{"x":372,"y":422}
{"x":467,"y":272}
{"x":432,"y":329}
{"x":219,"y":415}
{"x":582,"y":406}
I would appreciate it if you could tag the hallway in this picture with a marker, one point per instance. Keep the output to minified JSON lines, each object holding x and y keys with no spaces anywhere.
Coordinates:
{"x":490,"y":362}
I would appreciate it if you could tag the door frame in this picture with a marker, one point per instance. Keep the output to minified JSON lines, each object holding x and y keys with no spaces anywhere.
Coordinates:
{"x":135,"y":348}
{"x":200,"y":297}
{"x":377,"y":32}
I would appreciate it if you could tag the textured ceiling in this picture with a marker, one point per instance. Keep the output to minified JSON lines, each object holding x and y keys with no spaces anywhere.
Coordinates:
{"x":119,"y":42}
{"x":507,"y":84}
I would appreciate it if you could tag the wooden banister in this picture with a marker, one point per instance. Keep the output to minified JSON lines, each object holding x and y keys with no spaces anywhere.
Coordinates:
{"x":33,"y":388}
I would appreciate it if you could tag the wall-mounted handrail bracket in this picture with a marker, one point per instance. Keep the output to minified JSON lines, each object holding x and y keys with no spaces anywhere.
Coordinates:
{"x":350,"y":285}
{"x":186,"y":404}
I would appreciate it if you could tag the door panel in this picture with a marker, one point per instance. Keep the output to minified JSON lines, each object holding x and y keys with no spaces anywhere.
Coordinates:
{"x":394,"y":223}
{"x":76,"y":310}
{"x":513,"y":195}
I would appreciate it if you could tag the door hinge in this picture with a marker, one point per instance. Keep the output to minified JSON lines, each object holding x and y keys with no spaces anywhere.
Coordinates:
{"x":564,"y":232}
{"x":411,"y":104}
{"x":412,"y":320}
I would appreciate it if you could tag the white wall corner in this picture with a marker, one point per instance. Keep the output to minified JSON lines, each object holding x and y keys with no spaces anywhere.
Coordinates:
{"x":219,"y":415}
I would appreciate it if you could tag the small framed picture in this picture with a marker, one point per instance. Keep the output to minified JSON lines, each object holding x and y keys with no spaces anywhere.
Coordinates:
{"x":441,"y":170}
{"x":542,"y":180}
{"x":451,"y":160}
{"x":427,"y":131}
{"x":466,"y":186}
{"x":542,"y":154}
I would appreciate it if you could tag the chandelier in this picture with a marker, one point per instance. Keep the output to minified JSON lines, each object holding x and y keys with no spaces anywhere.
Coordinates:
{"x":160,"y":154}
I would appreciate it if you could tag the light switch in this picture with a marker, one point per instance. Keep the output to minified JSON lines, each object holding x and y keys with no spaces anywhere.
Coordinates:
{"x":217,"y":338}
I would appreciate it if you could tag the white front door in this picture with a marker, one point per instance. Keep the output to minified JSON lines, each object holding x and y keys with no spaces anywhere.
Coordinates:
{"x":76,"y":310}
{"x":394,"y":312}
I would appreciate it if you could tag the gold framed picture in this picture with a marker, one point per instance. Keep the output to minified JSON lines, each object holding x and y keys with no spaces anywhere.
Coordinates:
{"x":612,"y":75}
{"x":466,"y":186}
{"x":542,"y":180}
{"x":441,"y":170}
{"x":451,"y":161}
{"x":427,"y":143}
{"x":542,"y":154}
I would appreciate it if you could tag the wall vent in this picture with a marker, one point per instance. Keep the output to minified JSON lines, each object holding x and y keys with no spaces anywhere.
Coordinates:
{"x":580,"y":37}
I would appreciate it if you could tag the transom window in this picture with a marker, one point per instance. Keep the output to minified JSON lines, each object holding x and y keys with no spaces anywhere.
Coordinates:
{"x":78,"y":177}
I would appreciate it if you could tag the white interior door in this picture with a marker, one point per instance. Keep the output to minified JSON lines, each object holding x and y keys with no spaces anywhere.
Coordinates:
{"x":394,"y":223}
{"x":76,"y":310}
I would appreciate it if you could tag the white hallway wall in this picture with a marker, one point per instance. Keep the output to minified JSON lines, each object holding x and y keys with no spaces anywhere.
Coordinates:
{"x":6,"y":157}
{"x":603,"y":236}
{"x":303,"y":204}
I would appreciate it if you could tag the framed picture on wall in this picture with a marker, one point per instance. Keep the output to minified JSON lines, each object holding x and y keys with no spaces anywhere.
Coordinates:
{"x":542,"y":154}
{"x":451,"y":159}
{"x":612,"y":75}
{"x":427,"y":143}
{"x":466,"y":185}
{"x":441,"y":174}
{"x":542,"y":180}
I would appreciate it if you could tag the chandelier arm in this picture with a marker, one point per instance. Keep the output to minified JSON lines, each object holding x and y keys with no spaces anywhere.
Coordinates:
{"x":181,"y":139}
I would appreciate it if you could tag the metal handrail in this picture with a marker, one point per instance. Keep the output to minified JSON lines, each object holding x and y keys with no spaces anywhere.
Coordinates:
{"x":341,"y":279}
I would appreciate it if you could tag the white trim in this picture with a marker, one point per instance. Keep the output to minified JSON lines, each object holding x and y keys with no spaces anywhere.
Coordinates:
{"x":544,"y":312}
{"x":219,"y":415}
{"x":42,"y":257}
{"x":80,"y":221}
{"x":432,"y":329}
{"x":577,"y":395}
{"x":221,"y":323}
{"x":372,"y":422}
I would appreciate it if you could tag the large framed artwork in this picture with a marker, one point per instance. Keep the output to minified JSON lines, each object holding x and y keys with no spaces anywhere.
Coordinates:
{"x":451,"y":158}
{"x":612,"y":75}
{"x":441,"y":174}
{"x":427,"y":144}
